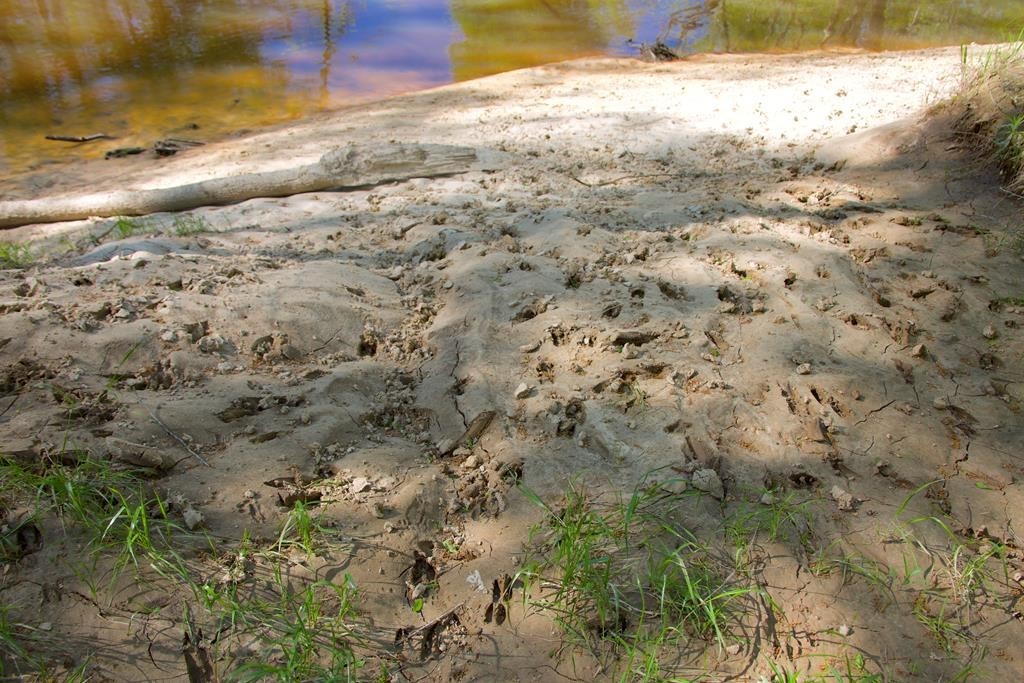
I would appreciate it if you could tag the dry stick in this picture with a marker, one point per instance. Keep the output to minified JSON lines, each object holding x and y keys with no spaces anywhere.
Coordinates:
{"x":328,"y":342}
{"x":438,"y":620}
{"x":625,"y":177}
{"x":11,"y":404}
{"x":178,"y":439}
{"x":80,"y":138}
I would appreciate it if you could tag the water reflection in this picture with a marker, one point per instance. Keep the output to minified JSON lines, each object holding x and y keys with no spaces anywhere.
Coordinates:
{"x":144,"y":69}
{"x":748,"y":25}
{"x":505,"y":34}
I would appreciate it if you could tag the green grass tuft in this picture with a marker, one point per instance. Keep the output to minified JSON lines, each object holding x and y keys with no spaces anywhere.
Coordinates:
{"x":295,"y":629}
{"x":300,"y":529}
{"x":304,"y":633}
{"x":15,"y":255}
{"x":127,"y":226}
{"x":988,"y":109}
{"x":188,"y":226}
{"x":628,"y":582}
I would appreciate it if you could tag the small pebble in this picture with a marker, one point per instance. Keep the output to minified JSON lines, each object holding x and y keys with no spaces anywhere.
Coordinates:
{"x":844,"y":500}
{"x":989,"y":332}
{"x":359,"y":485}
{"x":523,"y":390}
{"x":192,"y":518}
{"x":707,"y":480}
{"x":803,"y":369}
{"x":211,"y":343}
{"x":290,"y":352}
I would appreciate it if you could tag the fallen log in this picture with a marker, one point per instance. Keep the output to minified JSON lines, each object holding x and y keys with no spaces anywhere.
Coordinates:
{"x":349,"y":166}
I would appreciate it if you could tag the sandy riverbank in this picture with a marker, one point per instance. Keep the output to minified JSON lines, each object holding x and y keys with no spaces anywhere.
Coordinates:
{"x":683,"y":273}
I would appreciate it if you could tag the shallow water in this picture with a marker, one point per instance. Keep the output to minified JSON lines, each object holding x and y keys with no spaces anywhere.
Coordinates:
{"x":142,"y":70}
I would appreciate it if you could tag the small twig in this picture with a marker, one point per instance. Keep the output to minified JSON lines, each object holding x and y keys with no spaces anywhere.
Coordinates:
{"x":11,"y":404}
{"x":327,"y":343}
{"x":1015,"y":195}
{"x":80,"y":138}
{"x":406,"y":228}
{"x":434,"y":622}
{"x":620,"y":179}
{"x":177,"y":438}
{"x":872,"y":412}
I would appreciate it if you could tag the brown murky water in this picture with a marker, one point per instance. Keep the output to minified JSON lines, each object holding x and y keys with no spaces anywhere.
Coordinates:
{"x":143,"y":70}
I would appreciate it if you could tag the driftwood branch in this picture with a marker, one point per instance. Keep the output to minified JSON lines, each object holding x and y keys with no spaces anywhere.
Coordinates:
{"x":80,"y":138}
{"x":350,"y":166}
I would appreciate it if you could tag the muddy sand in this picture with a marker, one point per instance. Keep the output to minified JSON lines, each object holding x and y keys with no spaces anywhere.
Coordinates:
{"x":766,"y":291}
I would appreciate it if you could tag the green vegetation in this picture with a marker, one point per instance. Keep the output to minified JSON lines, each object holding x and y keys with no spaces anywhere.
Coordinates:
{"x":303,"y":632}
{"x":182,"y":226}
{"x":301,"y":530}
{"x":776,"y":517}
{"x":989,"y":112}
{"x":295,"y":629}
{"x":849,"y":670}
{"x":188,"y":225}
{"x":850,"y":565}
{"x":635,"y":396}
{"x":626,"y":581}
{"x":119,"y":515}
{"x":14,"y":255}
{"x":630,"y":585}
{"x":952,"y":578}
{"x":11,"y":649}
{"x":125,"y":227}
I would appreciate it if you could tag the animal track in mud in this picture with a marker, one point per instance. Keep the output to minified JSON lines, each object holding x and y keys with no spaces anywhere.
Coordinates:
{"x":441,"y":635}
{"x":482,"y":487}
{"x":825,"y":399}
{"x":81,"y":404}
{"x":501,"y":594}
{"x":23,"y":373}
{"x":422,"y":578}
{"x":247,"y":406}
